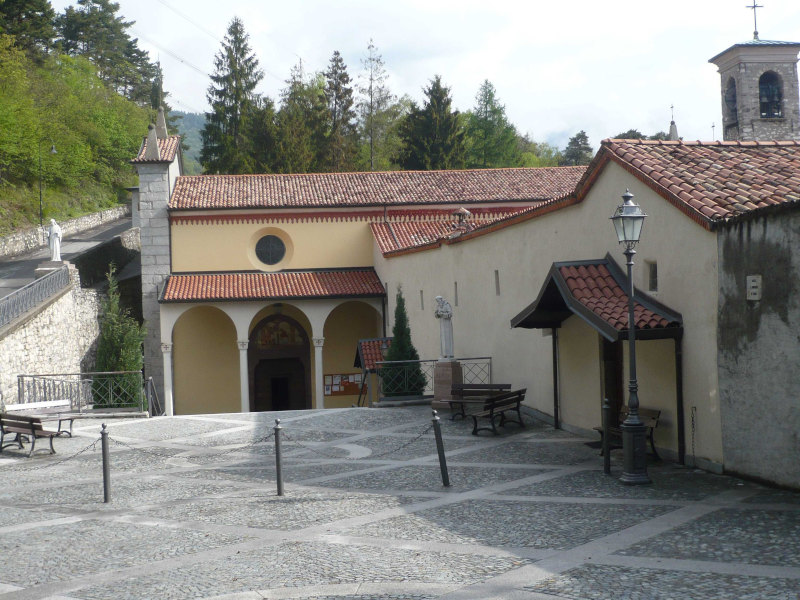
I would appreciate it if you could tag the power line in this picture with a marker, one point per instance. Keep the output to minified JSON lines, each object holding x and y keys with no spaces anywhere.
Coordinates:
{"x":183,"y":16}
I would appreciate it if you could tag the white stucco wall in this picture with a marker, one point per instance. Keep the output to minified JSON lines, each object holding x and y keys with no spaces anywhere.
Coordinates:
{"x":522,"y":254}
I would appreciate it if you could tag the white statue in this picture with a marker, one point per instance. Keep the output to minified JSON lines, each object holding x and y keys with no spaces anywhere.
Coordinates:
{"x":444,"y":312}
{"x":54,"y":241}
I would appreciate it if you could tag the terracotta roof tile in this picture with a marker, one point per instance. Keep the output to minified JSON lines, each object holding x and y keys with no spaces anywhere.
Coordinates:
{"x":167,"y":149}
{"x":206,"y":287}
{"x":371,"y":351}
{"x":593,"y":286}
{"x":717,"y":181}
{"x":318,"y":190}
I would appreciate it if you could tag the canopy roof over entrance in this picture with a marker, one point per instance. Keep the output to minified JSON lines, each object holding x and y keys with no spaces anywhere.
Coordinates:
{"x":282,"y":285}
{"x":595,"y":291}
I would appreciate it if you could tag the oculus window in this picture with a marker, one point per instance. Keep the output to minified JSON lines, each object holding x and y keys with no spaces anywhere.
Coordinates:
{"x":270,"y":249}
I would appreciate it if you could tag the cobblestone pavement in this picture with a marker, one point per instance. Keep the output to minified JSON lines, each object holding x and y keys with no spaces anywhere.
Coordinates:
{"x":529,"y":515}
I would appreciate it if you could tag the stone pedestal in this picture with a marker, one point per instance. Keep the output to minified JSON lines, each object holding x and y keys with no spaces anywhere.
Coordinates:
{"x":446,"y":373}
{"x":48,"y":266}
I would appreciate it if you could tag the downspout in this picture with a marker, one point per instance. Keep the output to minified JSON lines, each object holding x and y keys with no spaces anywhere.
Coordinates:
{"x":556,"y":420}
{"x":679,"y":398}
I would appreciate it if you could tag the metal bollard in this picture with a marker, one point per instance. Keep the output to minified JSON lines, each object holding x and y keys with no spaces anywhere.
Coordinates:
{"x":106,"y":465}
{"x":606,"y":452}
{"x":437,"y":432}
{"x":278,"y":473}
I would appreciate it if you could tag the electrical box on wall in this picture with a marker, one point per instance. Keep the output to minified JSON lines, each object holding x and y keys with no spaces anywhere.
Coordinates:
{"x":754,"y":287}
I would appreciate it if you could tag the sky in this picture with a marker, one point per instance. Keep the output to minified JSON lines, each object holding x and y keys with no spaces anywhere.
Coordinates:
{"x":558,"y":67}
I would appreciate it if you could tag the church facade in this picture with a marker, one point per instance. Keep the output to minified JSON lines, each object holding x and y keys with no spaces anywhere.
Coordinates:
{"x":258,"y":288}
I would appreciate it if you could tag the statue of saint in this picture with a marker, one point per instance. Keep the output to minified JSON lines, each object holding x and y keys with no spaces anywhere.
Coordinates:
{"x":54,"y":241}
{"x":444,"y":312}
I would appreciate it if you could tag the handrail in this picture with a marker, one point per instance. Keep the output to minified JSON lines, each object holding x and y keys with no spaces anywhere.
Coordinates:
{"x":30,"y":295}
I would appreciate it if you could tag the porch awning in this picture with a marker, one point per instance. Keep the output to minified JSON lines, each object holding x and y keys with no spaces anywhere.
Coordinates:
{"x":282,"y":285}
{"x":370,"y":351}
{"x":595,"y":290}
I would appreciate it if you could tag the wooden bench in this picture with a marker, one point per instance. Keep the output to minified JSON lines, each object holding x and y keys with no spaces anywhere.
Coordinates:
{"x":648,"y":416}
{"x":22,"y":425}
{"x":47,"y":410}
{"x":466,"y":394}
{"x":497,"y":406}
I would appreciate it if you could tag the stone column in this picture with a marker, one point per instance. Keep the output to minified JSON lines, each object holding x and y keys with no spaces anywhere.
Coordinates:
{"x":319,"y":387}
{"x":166,"y":351}
{"x":244,"y":387}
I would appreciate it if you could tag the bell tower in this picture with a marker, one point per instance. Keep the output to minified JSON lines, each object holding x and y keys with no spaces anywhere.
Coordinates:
{"x":759,"y":89}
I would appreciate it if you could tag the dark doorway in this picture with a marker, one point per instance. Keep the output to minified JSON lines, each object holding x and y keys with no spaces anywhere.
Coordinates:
{"x":279,"y":384}
{"x":612,"y":377}
{"x":279,"y":364}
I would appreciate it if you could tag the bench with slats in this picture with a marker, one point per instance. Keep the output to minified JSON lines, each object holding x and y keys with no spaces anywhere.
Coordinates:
{"x":22,"y":425}
{"x":648,"y":416}
{"x":470,"y":395}
{"x":495,"y":408}
{"x":47,"y":410}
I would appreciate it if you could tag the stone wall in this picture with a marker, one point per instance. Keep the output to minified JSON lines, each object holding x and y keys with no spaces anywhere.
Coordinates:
{"x":32,"y":239}
{"x":59,"y":336}
{"x":759,"y":348}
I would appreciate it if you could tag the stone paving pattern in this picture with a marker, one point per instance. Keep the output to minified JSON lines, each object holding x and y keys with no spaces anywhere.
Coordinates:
{"x":529,"y":515}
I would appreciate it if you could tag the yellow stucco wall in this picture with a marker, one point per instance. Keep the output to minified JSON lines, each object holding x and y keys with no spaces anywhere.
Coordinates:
{"x":205,"y":363}
{"x":580,"y":386}
{"x":200,"y":247}
{"x":347,"y":324}
{"x":522,"y":256}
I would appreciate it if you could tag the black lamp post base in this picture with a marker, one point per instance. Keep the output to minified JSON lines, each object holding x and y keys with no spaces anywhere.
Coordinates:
{"x":634,"y":449}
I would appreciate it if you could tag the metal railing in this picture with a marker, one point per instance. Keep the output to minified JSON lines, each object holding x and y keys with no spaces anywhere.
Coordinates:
{"x":417,"y":377}
{"x":153,"y":401}
{"x":27,"y":297}
{"x":85,"y":391}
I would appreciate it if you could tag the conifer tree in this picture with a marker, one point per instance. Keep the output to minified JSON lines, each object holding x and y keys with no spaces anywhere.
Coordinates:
{"x":432,"y":135}
{"x":491,"y":139}
{"x":31,"y":24}
{"x":226,"y":145}
{"x":402,"y":379}
{"x":119,"y":348}
{"x":578,"y":150}
{"x":378,"y":108}
{"x":342,"y":142}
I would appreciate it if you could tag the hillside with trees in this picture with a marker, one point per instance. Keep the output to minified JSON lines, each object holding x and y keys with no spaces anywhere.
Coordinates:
{"x":76,"y":96}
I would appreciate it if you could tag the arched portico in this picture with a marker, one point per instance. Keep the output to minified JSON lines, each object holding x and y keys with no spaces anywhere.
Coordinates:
{"x":243,"y":320}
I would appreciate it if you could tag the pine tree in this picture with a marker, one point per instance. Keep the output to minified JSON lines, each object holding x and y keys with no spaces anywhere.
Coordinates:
{"x":578,"y":150}
{"x":491,"y":139}
{"x":226,"y":145}
{"x":432,"y":135}
{"x":379,"y":111}
{"x":342,"y":142}
{"x":119,"y":348}
{"x":31,"y":24}
{"x":402,"y":379}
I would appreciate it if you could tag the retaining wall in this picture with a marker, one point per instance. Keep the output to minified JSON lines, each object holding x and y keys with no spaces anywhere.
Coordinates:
{"x":59,"y":336}
{"x":32,"y":239}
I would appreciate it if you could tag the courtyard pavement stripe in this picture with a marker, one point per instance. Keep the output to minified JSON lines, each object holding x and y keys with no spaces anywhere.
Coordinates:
{"x":699,"y":566}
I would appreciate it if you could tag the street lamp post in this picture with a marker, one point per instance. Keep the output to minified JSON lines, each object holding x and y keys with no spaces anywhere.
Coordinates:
{"x":628,"y":220}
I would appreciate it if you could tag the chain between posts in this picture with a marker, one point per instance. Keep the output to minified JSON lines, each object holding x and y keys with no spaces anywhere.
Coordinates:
{"x":239,"y":448}
{"x":25,"y":467}
{"x":370,"y":457}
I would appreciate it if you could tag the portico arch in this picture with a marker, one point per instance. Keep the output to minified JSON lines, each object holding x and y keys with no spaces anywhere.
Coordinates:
{"x":205,"y":362}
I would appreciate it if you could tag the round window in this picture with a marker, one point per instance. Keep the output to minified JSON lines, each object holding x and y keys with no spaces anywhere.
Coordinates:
{"x":270,"y":249}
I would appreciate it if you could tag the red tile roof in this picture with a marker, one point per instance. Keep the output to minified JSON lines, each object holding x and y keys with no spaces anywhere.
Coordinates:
{"x":392,"y":236}
{"x":204,"y":287}
{"x":328,"y":190}
{"x":370,"y":352}
{"x":711,"y":181}
{"x":167,"y":149}
{"x":595,"y":288}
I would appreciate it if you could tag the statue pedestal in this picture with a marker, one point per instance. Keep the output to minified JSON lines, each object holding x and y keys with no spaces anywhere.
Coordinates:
{"x":445,"y":374}
{"x":47,"y":267}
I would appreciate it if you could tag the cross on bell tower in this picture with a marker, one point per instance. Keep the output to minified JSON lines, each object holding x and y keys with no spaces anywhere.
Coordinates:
{"x":755,"y":21}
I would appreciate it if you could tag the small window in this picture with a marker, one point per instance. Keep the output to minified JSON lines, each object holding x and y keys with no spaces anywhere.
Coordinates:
{"x":652,"y":276}
{"x":770,"y":95}
{"x":270,"y":249}
{"x":455,"y":293}
{"x":496,"y":282}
